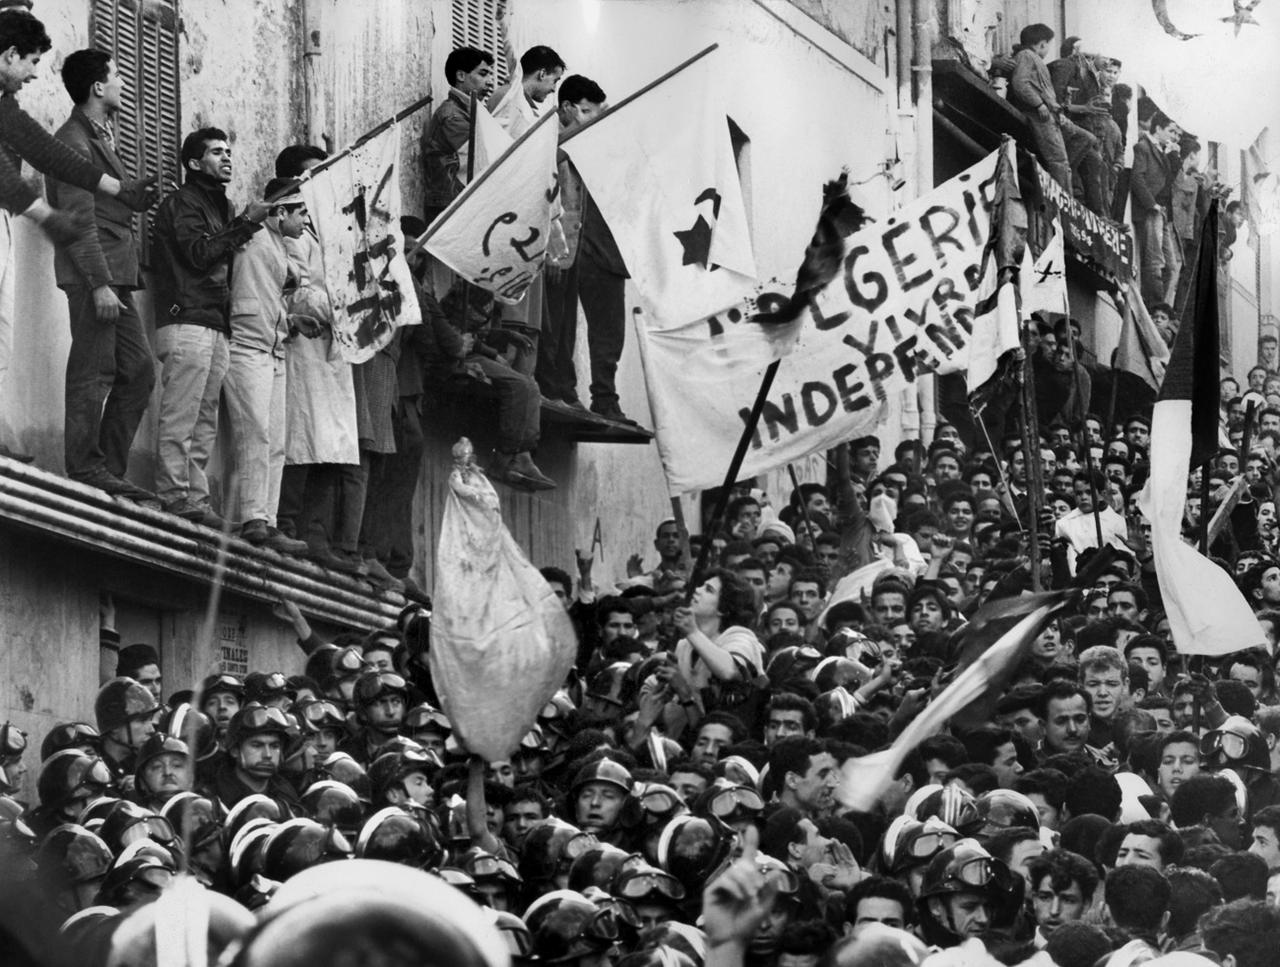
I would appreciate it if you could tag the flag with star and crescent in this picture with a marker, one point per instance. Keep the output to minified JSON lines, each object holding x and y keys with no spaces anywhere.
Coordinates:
{"x":661,"y":169}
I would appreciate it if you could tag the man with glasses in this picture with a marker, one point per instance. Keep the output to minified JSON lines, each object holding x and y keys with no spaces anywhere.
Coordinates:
{"x":256,"y":739}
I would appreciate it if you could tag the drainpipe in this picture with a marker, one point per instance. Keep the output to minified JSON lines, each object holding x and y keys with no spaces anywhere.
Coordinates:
{"x":312,"y":90}
{"x":924,"y":18}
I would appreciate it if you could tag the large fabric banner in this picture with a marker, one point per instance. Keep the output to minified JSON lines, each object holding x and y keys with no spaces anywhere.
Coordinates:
{"x":495,"y":233}
{"x":354,"y":204}
{"x":661,"y":169}
{"x":903,"y":304}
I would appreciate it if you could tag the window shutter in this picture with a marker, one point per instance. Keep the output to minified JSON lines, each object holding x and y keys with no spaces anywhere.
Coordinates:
{"x":142,"y":36}
{"x":478,"y":23}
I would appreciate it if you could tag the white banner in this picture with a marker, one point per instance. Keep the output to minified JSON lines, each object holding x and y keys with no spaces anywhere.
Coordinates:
{"x":902,"y":305}
{"x":495,"y":233}
{"x":354,"y":205}
{"x":661,"y":169}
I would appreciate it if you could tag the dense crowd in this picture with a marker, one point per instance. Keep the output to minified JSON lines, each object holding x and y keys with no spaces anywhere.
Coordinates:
{"x":1112,"y":802}
{"x":684,"y":797}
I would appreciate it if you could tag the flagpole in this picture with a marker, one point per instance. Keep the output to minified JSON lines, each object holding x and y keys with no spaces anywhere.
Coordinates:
{"x":369,"y":135}
{"x":731,"y":475}
{"x":471,"y":173}
{"x":804,"y":505}
{"x":644,"y":90}
{"x":1031,"y":453}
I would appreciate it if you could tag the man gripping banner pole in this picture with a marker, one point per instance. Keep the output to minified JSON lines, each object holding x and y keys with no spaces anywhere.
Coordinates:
{"x":495,"y":233}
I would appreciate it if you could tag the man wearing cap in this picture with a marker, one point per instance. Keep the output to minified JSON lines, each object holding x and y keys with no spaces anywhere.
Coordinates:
{"x":220,"y":698}
{"x":125,"y":713}
{"x":256,"y":377}
{"x":141,"y":663}
{"x":256,"y":740}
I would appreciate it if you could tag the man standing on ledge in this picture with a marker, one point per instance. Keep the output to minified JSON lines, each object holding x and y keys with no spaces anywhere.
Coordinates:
{"x":196,"y":232}
{"x":109,"y":369}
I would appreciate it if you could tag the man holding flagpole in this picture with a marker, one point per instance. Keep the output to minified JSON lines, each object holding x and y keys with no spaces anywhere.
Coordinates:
{"x":444,"y":139}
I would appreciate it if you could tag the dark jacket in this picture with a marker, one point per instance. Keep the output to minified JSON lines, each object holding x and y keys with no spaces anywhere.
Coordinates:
{"x":195,"y":236}
{"x":445,"y":134}
{"x":230,"y":789}
{"x":1150,"y":181}
{"x":107,"y":251}
{"x":23,"y":138}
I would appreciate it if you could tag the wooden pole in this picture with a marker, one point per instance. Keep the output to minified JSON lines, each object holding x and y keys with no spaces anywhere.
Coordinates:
{"x":731,"y":475}
{"x":804,"y":507}
{"x":635,"y":94}
{"x":1031,"y":453}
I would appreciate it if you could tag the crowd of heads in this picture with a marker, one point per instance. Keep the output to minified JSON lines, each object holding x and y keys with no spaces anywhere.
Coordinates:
{"x":1111,"y":796}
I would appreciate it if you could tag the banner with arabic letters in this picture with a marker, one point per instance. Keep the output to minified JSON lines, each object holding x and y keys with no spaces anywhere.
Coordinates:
{"x":354,"y":205}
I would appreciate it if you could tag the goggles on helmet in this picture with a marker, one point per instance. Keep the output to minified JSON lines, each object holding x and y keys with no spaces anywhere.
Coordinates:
{"x":641,"y":885}
{"x":322,"y":714}
{"x":729,"y":801}
{"x":13,"y":741}
{"x":1232,"y":745}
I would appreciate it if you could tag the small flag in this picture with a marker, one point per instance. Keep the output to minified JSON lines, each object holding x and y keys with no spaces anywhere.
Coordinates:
{"x":1044,"y":279}
{"x":997,"y":327}
{"x":863,"y":780}
{"x":1141,"y":351}
{"x":1207,"y":613}
{"x":494,"y":234}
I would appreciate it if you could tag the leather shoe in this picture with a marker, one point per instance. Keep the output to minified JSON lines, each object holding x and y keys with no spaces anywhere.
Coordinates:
{"x":611,"y":411}
{"x":381,"y":577}
{"x":106,"y":481}
{"x":257,"y":532}
{"x":188,"y":509}
{"x":522,"y":472}
{"x":327,"y":557}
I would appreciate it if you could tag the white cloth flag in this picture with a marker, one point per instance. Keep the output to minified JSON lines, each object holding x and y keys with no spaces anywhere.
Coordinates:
{"x":492,"y":140}
{"x":494,"y":234}
{"x":1044,"y":280}
{"x":661,"y":169}
{"x":354,"y":205}
{"x":902,"y":304}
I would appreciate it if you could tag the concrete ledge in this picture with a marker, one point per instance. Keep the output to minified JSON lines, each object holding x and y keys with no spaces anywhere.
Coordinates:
{"x":74,"y":513}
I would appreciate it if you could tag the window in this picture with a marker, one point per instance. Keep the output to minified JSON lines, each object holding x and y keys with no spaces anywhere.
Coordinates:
{"x":479,"y":23}
{"x":142,"y":36}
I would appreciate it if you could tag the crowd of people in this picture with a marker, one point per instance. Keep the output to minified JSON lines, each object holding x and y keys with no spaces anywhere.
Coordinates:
{"x":679,"y":800}
{"x":1078,"y":119}
{"x":325,"y":455}
{"x":683,"y":799}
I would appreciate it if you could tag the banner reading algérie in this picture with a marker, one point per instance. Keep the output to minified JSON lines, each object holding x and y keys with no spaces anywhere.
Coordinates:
{"x":903,"y":304}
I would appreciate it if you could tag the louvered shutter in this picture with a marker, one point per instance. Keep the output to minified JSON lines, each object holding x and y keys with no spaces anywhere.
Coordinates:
{"x":142,"y":36}
{"x":478,"y":23}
